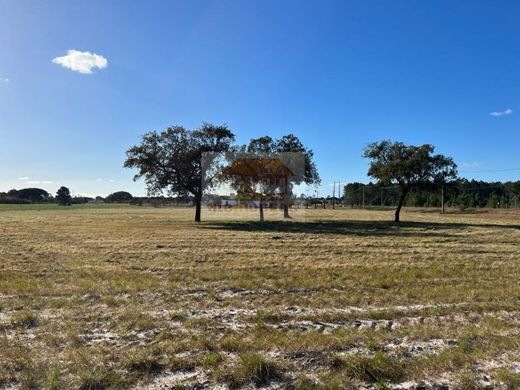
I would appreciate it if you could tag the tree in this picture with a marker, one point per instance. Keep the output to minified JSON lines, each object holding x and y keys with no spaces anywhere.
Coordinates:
{"x":274,"y":168}
{"x":258,"y":177}
{"x":63,"y":196}
{"x":257,"y":182}
{"x":408,"y":166}
{"x":171,"y":161}
{"x":33,"y":195}
{"x":291,"y":146}
{"x":119,"y":197}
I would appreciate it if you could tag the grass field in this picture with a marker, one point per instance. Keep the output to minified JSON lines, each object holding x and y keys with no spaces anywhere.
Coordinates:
{"x":135,"y":297}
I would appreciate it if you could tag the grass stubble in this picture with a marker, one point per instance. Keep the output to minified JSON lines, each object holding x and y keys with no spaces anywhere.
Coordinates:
{"x":122,"y":297}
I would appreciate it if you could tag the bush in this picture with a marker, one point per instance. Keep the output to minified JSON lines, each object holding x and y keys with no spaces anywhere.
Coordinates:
{"x":119,"y":197}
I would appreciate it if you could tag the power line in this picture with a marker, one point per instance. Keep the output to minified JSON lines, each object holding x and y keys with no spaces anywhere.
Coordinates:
{"x":362,"y":186}
{"x":492,"y":170}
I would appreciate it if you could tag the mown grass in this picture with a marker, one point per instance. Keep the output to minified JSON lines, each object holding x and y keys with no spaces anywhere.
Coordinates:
{"x":119,"y":297}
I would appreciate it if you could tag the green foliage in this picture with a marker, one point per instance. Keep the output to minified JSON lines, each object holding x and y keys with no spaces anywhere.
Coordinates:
{"x":119,"y":197}
{"x":25,"y":196}
{"x":408,"y":166}
{"x":460,"y":193}
{"x":283,"y":148}
{"x":172,"y":160}
{"x":267,"y":170}
{"x":63,"y":197}
{"x":34,"y":195}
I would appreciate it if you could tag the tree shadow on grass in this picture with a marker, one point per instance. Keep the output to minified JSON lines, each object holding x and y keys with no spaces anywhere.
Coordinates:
{"x":354,"y":228}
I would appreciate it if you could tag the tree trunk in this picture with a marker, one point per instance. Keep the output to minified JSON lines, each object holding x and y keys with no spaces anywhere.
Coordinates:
{"x":261,"y":211}
{"x":400,"y":205}
{"x":442,"y":199}
{"x":286,"y":198}
{"x":198,"y":207}
{"x":286,"y":211}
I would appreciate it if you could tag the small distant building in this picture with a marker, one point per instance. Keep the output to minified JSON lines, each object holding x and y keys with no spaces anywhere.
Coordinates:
{"x":229,"y":201}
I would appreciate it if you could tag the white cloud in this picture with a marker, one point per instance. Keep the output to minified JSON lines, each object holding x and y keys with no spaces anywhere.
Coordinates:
{"x":86,"y":194}
{"x":24,"y":178}
{"x":507,"y":111}
{"x":471,"y":165}
{"x":99,"y":179}
{"x":81,"y":61}
{"x":3,"y":80}
{"x":39,"y":182}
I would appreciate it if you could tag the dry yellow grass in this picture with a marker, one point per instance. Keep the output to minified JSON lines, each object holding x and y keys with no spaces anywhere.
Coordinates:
{"x":114,"y":297}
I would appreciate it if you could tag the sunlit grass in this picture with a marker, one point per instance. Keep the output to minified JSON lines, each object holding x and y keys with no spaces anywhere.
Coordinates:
{"x":102,"y":296}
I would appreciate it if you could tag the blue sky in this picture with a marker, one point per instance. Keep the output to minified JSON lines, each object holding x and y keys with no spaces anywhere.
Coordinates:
{"x":339,"y":74}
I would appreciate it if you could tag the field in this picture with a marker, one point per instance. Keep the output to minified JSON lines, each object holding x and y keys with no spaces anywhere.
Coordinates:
{"x":136,"y":297}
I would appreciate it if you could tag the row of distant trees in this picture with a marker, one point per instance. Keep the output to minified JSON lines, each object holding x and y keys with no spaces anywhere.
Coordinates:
{"x":460,"y":193}
{"x":62,"y":197}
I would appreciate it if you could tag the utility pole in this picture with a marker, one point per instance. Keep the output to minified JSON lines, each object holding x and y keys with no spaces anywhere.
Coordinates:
{"x":340,"y":195}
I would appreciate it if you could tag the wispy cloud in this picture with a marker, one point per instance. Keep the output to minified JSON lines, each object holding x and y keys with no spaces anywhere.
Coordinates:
{"x":471,"y":165}
{"x":39,"y":182}
{"x":81,"y":61}
{"x":507,"y":111}
{"x":4,"y":80}
{"x":86,"y":194}
{"x":24,"y":178}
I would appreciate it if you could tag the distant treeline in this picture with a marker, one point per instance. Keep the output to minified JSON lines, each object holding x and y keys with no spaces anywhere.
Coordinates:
{"x":26,"y":196}
{"x":460,"y":193}
{"x":38,"y":195}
